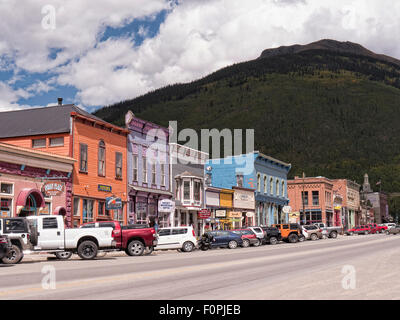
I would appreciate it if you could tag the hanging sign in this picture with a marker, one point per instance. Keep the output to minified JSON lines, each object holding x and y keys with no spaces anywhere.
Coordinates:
{"x":53,"y":188}
{"x":204,"y":214}
{"x":113,"y":203}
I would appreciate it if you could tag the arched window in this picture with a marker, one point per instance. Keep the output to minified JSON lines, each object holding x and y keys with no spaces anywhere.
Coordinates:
{"x":265,"y":184}
{"x":283,"y":188}
{"x":258,"y":182}
{"x":271,"y":186}
{"x":102,"y":159}
{"x":277,"y":187}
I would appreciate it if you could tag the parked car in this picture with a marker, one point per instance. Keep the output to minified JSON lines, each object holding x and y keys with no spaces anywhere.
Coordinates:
{"x":248,"y":237}
{"x":272,"y":235}
{"x":312,"y":232}
{"x":48,"y":234}
{"x":5,"y":246}
{"x":180,"y":238}
{"x":364,"y":229}
{"x":220,"y":238}
{"x":393,"y":230}
{"x":329,"y":232}
{"x":376,"y":228}
{"x":258,"y":231}
{"x":389,"y":225}
{"x":18,"y":232}
{"x":290,"y":232}
{"x":133,"y":239}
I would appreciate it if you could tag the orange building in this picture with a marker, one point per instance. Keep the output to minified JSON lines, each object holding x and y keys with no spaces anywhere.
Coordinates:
{"x":99,"y":186}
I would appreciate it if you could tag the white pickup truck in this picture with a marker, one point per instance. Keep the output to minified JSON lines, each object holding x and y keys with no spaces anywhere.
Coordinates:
{"x":329,"y":232}
{"x":49,"y":234}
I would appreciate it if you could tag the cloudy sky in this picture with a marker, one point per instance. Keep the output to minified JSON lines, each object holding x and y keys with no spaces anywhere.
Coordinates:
{"x":98,"y":52}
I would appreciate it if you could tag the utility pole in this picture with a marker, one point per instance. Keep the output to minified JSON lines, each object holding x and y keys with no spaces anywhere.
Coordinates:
{"x":302,"y":198}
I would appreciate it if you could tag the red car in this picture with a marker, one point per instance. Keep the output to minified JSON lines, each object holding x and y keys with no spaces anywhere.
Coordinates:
{"x":248,"y":237}
{"x":377,"y":228}
{"x":364,"y":229}
{"x":133,"y":239}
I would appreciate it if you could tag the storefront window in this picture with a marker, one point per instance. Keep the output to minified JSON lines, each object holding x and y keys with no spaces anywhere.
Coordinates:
{"x":5,"y":207}
{"x":6,"y":188}
{"x":141,"y":210}
{"x":87,"y":210}
{"x":100,"y":208}
{"x":76,"y":207}
{"x":119,"y":214}
{"x":163,"y":220}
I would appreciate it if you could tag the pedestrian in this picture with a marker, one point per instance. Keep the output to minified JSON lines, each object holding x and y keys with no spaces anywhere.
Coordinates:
{"x":155,"y":225}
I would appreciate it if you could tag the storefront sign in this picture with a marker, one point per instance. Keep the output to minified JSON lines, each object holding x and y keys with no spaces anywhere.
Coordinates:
{"x":104,"y":188}
{"x":234,"y":214}
{"x":294,"y":217}
{"x":220,"y":213}
{"x":166,"y":205}
{"x":204,"y":214}
{"x":113,"y":203}
{"x":338,"y":207}
{"x":53,"y":188}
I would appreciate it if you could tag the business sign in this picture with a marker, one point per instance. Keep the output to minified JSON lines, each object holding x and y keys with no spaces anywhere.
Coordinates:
{"x":204,"y":214}
{"x":287,"y":209}
{"x":113,"y":203}
{"x":53,"y":188}
{"x":166,"y":205}
{"x":235,"y":214}
{"x":220,"y":213}
{"x":104,"y":188}
{"x":294,"y":217}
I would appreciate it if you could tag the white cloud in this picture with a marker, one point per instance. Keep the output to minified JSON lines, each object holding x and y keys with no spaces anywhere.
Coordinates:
{"x":198,"y":37}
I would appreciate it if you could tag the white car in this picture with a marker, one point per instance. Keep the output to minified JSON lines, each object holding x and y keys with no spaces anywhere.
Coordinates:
{"x":182,"y":238}
{"x":259,"y":234}
{"x":388,"y":225}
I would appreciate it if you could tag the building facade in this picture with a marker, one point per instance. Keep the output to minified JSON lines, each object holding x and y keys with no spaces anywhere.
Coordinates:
{"x":350,"y":209}
{"x":312,"y":197}
{"x":34,"y":182}
{"x":148,"y":171}
{"x":99,"y":186}
{"x":262,"y":173}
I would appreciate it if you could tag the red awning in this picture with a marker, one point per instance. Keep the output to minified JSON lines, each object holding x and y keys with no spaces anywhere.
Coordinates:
{"x":60,"y":211}
{"x":24,"y":194}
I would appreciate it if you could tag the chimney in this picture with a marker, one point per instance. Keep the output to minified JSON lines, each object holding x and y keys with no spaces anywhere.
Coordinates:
{"x":60,"y":101}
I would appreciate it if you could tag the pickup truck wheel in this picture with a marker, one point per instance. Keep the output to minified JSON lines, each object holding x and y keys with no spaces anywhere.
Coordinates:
{"x":63,"y":255}
{"x":187,"y":246}
{"x":87,"y":250}
{"x":246,"y":243}
{"x":293,"y":238}
{"x":258,"y":243}
{"x":135,"y":248}
{"x":314,"y":237}
{"x":14,"y":256}
{"x":148,"y":251}
{"x":232,"y":244}
{"x":333,"y":235}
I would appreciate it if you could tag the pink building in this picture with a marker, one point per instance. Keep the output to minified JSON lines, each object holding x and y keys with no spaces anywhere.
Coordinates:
{"x":317,"y":193}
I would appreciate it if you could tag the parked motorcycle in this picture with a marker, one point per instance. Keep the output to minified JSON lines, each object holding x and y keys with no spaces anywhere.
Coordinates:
{"x":205,"y":242}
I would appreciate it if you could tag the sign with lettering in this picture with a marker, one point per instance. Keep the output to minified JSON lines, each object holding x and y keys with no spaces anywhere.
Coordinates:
{"x":104,"y":188}
{"x":53,"y":188}
{"x":204,"y":214}
{"x":166,"y":205}
{"x":220,"y":213}
{"x":113,"y":203}
{"x":235,"y":214}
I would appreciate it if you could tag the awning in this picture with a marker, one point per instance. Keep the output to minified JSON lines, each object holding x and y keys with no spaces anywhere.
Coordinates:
{"x":25,"y":193}
{"x":60,"y":211}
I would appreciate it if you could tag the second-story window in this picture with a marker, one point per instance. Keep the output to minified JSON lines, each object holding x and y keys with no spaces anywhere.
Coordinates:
{"x":265,"y":184}
{"x":277,"y":187}
{"x":283,"y":189}
{"x":239,"y":180}
{"x":102,"y":159}
{"x":144,"y":169}
{"x":118,"y":165}
{"x":83,"y":157}
{"x":315,"y":198}
{"x":197,"y":187}
{"x":39,"y":143}
{"x":304,"y":195}
{"x":135,"y":167}
{"x":162,"y":174}
{"x":153,"y":173}
{"x":271,"y":186}
{"x":186,"y":190}
{"x":258,"y":182}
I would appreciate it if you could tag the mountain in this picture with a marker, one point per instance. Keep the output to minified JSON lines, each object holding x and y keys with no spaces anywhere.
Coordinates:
{"x":330,"y":108}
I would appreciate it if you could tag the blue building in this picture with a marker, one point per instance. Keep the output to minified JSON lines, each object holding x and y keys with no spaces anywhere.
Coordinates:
{"x":266,"y":175}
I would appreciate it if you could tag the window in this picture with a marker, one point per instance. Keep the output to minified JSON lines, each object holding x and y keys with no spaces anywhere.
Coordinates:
{"x":144,"y":170}
{"x":164,"y":232}
{"x":177,"y":188}
{"x":277,"y":187}
{"x":304,"y":195}
{"x":208,"y":179}
{"x":186,"y":190}
{"x":39,"y":143}
{"x":153,"y":173}
{"x":83,"y":157}
{"x":87,"y":210}
{"x":179,"y":231}
{"x":315,"y":198}
{"x":100,"y":208}
{"x":102,"y":159}
{"x":6,"y":188}
{"x":47,"y":209}
{"x":118,"y":165}
{"x":258,"y":182}
{"x":239,"y":180}
{"x":271,"y":186}
{"x":50,"y":223}
{"x":5,"y":207}
{"x":76,"y":206}
{"x":57,"y":142}
{"x":265,"y":184}
{"x":14,"y":226}
{"x":197,"y":187}
{"x":283,"y":189}
{"x":135,"y":167}
{"x":162,"y":174}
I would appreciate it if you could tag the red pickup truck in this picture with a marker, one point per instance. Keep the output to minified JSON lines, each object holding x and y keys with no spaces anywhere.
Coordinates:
{"x":364,"y":229}
{"x":375,"y":228}
{"x":133,"y":239}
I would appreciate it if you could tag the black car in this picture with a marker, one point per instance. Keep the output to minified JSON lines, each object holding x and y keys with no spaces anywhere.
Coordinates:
{"x":5,"y":246}
{"x":272,"y":235}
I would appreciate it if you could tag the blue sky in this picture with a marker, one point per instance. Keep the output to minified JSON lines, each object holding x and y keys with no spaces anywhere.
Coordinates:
{"x":99,"y":55}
